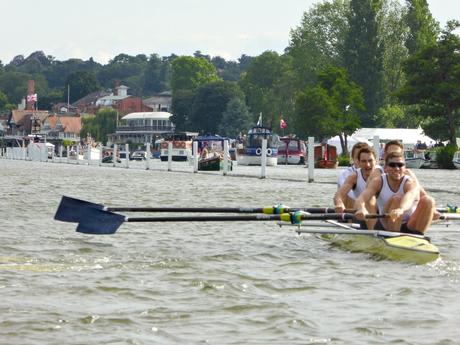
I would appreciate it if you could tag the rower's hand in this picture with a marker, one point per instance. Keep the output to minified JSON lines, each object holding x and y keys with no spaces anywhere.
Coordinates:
{"x":361,"y":214}
{"x":436,"y":215}
{"x":396,"y":213}
{"x":340,"y":208}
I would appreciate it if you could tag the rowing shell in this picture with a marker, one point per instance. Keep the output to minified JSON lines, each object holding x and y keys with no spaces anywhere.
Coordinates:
{"x":381,"y":244}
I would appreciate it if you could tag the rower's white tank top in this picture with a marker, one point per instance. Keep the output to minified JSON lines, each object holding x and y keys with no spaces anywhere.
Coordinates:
{"x":360,"y":184}
{"x":386,"y":193}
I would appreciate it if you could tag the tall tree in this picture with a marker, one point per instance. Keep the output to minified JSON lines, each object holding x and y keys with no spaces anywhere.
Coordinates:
{"x":154,"y":80}
{"x":261,"y":85}
{"x":209,"y":104}
{"x":318,"y":42}
{"x":189,"y":73}
{"x":236,"y":119}
{"x":331,"y":107}
{"x":81,"y":84}
{"x":423,"y":28}
{"x":364,"y":55}
{"x":98,"y":126}
{"x":393,"y":32}
{"x":433,"y":81}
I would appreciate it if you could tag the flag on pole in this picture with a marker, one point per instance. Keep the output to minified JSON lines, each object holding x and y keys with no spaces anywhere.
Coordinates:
{"x":32,"y":98}
{"x":259,"y":122}
{"x":283,"y":124}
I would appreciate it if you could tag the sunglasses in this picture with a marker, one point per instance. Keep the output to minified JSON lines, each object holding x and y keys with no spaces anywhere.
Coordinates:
{"x":396,"y":164}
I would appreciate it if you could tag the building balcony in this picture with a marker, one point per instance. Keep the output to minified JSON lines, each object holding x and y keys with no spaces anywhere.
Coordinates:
{"x":144,"y":129}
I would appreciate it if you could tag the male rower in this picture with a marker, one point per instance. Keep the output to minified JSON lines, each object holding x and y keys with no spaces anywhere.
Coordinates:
{"x":349,"y":199}
{"x":399,"y":196}
{"x":356,"y":184}
{"x":397,"y":146}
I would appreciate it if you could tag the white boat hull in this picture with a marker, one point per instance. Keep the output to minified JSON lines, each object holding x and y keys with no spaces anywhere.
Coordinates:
{"x":456,"y":160}
{"x":291,"y":159}
{"x":415,"y":163}
{"x":243,"y":159}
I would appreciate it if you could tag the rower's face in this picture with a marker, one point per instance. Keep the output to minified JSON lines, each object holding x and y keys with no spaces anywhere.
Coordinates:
{"x":366,"y":161}
{"x":396,"y":167}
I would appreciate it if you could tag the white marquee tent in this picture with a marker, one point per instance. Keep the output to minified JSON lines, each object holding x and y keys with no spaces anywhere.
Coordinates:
{"x":408,"y":136}
{"x":351,"y":140}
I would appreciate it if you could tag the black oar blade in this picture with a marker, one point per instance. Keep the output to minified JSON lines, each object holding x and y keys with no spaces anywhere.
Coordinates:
{"x":100,"y":222}
{"x":73,"y":210}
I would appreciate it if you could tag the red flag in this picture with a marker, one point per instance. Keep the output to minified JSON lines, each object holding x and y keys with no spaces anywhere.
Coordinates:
{"x":283,"y":124}
{"x":32,"y":98}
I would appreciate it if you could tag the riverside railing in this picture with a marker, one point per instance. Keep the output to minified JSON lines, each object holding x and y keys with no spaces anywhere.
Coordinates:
{"x":80,"y":157}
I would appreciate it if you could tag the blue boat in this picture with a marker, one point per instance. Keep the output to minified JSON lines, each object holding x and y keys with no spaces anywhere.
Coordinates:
{"x":249,"y":152}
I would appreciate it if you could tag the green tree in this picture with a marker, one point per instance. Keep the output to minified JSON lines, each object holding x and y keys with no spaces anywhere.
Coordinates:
{"x":189,"y":73}
{"x":318,"y":42}
{"x":393,"y":32}
{"x":331,"y":107}
{"x":209,"y":104}
{"x":155,"y":75}
{"x":48,"y":100}
{"x":433,"y":81}
{"x":98,"y":126}
{"x":364,"y":55}
{"x":182,"y":104}
{"x":81,"y":84}
{"x":423,"y":28}
{"x":236,"y":119}
{"x":124,"y":67}
{"x":261,"y":84}
{"x":4,"y":103}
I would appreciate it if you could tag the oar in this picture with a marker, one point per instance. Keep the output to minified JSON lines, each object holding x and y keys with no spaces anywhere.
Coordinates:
{"x":99,"y":222}
{"x":72,"y":209}
{"x":449,"y":216}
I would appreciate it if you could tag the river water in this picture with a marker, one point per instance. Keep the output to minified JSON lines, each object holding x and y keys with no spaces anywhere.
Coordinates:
{"x":208,"y":283}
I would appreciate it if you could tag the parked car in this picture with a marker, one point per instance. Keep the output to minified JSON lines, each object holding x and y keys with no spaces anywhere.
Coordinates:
{"x":123,"y":155}
{"x":139,"y":155}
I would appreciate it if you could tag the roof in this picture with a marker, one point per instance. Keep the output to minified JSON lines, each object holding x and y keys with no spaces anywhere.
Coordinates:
{"x":154,"y":115}
{"x":408,"y":136}
{"x":70,"y":124}
{"x":110,"y":99}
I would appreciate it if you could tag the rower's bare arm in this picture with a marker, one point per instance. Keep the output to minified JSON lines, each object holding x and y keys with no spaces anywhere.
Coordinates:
{"x":411,"y":193}
{"x":371,"y":190}
{"x":341,"y":193}
{"x":413,"y":177}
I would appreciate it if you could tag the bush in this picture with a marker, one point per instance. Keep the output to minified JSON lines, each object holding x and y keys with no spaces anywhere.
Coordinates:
{"x":444,"y":156}
{"x":344,"y":160}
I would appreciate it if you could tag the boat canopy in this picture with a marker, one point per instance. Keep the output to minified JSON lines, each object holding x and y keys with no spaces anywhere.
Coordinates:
{"x":258,"y":133}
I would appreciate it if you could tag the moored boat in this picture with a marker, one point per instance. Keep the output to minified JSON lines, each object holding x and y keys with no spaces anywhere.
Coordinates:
{"x":430,"y":160}
{"x":325,"y":156}
{"x":456,"y":159}
{"x":291,"y":150}
{"x":181,"y":146}
{"x":250,"y":152}
{"x":415,"y":159}
{"x":211,"y":152}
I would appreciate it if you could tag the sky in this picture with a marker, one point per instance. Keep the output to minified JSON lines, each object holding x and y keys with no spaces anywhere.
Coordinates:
{"x":102,"y":29}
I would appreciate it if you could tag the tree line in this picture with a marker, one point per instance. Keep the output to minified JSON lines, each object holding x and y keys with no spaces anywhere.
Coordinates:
{"x":348,"y":64}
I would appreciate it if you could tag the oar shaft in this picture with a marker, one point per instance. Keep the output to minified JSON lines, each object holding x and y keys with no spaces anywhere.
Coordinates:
{"x":265,"y":210}
{"x":186,"y":209}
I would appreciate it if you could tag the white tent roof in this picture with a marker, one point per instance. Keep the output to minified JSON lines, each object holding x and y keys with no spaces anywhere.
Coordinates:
{"x":408,"y":136}
{"x":351,"y":140}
